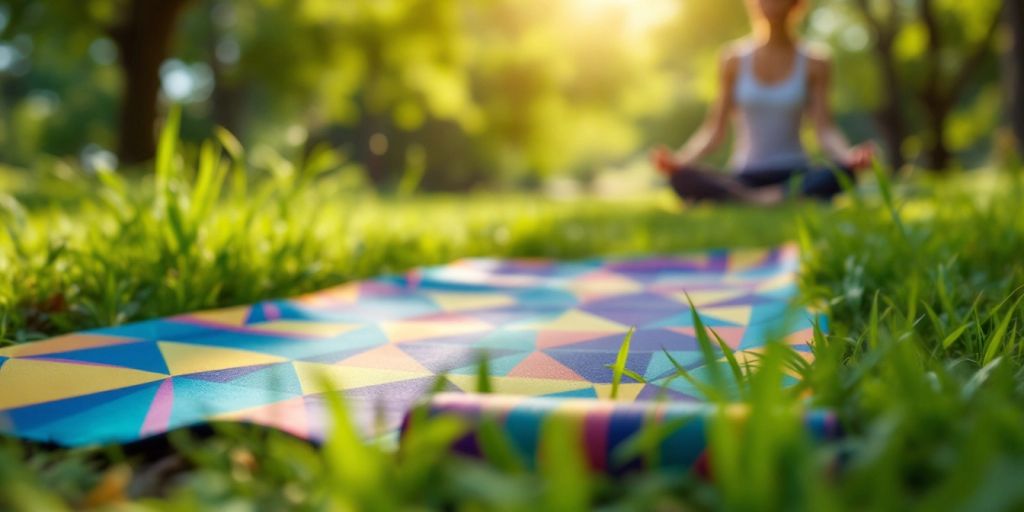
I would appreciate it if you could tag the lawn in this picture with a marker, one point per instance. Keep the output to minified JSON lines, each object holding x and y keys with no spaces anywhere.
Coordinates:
{"x":919,"y":277}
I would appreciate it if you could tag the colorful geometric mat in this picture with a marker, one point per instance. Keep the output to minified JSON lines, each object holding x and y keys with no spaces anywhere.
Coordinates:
{"x":548,"y":328}
{"x":605,"y":430}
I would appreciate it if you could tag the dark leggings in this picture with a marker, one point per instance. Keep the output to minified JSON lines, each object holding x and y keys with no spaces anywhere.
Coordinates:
{"x":696,"y":183}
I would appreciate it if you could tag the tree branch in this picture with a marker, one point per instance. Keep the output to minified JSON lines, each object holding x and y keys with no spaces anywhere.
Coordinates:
{"x":882,"y":31}
{"x":932,"y":93}
{"x":893,"y":21}
{"x":889,"y":115}
{"x":974,"y":60}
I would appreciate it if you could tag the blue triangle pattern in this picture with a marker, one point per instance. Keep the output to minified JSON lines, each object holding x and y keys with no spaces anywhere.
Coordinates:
{"x":118,"y":419}
{"x":196,"y":400}
{"x":541,"y":291}
{"x":33,"y":416}
{"x":143,"y":355}
{"x":277,"y":377}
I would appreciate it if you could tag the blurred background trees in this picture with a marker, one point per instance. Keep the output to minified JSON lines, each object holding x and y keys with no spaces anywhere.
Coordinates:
{"x":929,"y":54}
{"x":463,"y":93}
{"x":1013,"y":69}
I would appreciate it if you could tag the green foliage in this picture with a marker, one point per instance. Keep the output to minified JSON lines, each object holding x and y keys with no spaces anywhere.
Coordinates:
{"x":532,"y":88}
{"x":619,"y":367}
{"x":922,"y":363}
{"x":961,"y":54}
{"x":208,"y":230}
{"x":456,"y":93}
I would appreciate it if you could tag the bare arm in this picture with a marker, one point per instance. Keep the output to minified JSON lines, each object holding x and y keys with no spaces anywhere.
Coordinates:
{"x":831,"y":139}
{"x":716,"y":123}
{"x":712,"y":130}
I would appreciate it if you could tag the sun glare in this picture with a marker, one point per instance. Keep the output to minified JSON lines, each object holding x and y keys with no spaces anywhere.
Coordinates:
{"x":640,"y":16}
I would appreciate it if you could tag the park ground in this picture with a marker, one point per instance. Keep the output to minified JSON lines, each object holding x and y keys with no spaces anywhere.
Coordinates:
{"x":920,"y":277}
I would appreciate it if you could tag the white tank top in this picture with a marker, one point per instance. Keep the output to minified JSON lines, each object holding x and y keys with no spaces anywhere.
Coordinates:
{"x":768,"y":118}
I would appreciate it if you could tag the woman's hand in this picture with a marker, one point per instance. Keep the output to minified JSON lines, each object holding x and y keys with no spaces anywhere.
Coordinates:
{"x":860,"y":157}
{"x":665,"y":160}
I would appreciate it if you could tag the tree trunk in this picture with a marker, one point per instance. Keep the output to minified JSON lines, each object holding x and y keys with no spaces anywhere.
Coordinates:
{"x":893,"y":129}
{"x":890,"y":115}
{"x":228,"y":98}
{"x":228,"y":101}
{"x":936,"y":110}
{"x":942,"y":92}
{"x":1015,"y":70}
{"x":143,"y":41}
{"x":939,"y":95}
{"x":937,"y":156}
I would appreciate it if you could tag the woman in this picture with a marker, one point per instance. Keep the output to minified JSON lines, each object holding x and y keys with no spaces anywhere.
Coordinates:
{"x":768,"y":82}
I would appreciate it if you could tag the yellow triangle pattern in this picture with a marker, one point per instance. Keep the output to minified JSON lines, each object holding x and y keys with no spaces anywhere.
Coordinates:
{"x":705,"y":297}
{"x":743,"y":259}
{"x":735,"y":314}
{"x":519,"y":385}
{"x":777,"y":282}
{"x":319,"y":378}
{"x":627,"y":391}
{"x":750,"y":359}
{"x":22,"y":380}
{"x":384,"y":356}
{"x":400,"y":332}
{"x":234,"y":317}
{"x":185,"y":358}
{"x":453,"y":302}
{"x":604,"y":286}
{"x":64,"y":343}
{"x":575,"y":406}
{"x":308,"y":328}
{"x":575,"y":320}
{"x":345,"y":294}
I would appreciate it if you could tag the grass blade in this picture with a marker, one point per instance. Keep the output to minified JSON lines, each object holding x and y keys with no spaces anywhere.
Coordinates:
{"x":996,"y":341}
{"x":708,"y":391}
{"x":483,"y":375}
{"x":737,"y":371}
{"x":707,"y":350}
{"x":955,"y":335}
{"x":620,"y":363}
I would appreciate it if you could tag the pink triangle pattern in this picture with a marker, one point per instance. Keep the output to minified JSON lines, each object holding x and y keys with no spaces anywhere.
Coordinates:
{"x":548,"y":328}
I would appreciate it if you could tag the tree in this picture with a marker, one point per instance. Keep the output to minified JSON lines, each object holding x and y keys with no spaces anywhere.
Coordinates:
{"x":940,"y":89}
{"x":1014,"y":70}
{"x":64,"y":34}
{"x":143,"y":39}
{"x":890,"y":113}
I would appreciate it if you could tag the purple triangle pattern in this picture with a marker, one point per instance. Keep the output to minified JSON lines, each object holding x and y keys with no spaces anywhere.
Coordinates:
{"x":551,"y":328}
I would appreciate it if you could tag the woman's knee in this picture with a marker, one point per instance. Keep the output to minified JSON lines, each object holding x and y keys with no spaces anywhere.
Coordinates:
{"x":695,"y":184}
{"x":827,"y":182}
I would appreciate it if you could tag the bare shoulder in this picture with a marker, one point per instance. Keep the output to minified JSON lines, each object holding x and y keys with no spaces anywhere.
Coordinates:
{"x":729,"y":57}
{"x":819,"y":59}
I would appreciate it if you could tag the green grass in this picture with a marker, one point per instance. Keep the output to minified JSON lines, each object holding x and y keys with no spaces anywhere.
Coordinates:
{"x":923,"y":361}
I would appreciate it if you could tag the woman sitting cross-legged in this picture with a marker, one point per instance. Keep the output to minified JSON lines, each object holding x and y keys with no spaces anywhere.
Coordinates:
{"x":769,"y":81}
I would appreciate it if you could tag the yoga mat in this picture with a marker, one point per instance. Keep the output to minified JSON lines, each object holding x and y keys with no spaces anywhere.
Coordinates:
{"x":548,"y":328}
{"x":607,"y":429}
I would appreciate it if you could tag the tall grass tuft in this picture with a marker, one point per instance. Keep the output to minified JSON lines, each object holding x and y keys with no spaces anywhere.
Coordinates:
{"x":921,"y":284}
